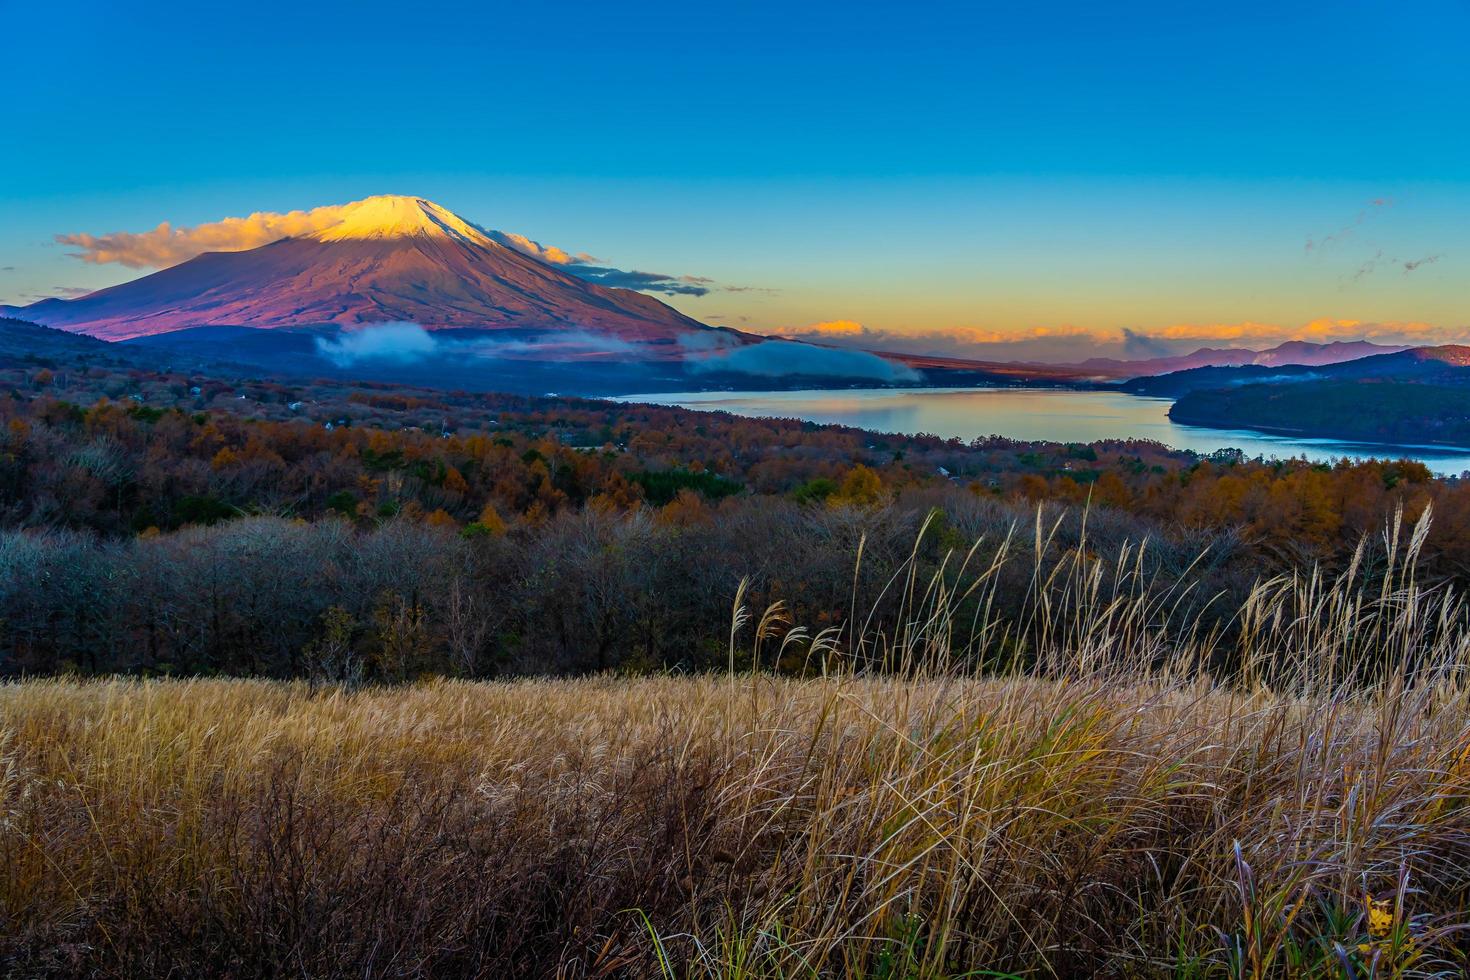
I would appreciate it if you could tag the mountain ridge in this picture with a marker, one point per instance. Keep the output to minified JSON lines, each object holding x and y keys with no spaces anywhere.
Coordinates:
{"x":1291,"y":352}
{"x":1431,"y":363}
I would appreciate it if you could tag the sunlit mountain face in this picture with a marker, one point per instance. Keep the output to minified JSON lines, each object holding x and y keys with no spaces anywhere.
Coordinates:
{"x":381,"y":260}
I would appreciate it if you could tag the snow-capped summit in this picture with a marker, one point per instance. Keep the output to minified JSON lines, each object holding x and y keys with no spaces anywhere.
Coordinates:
{"x":399,"y":216}
{"x":383,"y":259}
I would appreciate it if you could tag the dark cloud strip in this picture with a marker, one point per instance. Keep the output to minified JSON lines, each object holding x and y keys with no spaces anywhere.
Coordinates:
{"x":644,"y":282}
{"x":1349,"y":230}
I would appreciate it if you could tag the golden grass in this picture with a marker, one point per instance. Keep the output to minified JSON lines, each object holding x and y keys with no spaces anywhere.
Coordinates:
{"x":1099,"y":803}
{"x":805,"y":827}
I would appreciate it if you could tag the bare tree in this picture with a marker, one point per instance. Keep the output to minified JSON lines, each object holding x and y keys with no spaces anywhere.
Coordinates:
{"x":467,"y":625}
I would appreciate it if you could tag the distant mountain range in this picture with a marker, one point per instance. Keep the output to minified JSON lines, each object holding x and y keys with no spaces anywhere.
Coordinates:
{"x":1293,"y":352}
{"x":1405,"y":364}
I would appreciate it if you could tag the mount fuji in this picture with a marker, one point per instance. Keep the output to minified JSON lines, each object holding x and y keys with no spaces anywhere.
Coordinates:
{"x":386,"y":259}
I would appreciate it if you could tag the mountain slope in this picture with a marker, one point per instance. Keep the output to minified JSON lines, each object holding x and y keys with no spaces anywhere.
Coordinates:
{"x":1177,"y":383}
{"x":389,"y":259}
{"x":21,"y":339}
{"x":1447,"y":361}
{"x":1418,"y":396}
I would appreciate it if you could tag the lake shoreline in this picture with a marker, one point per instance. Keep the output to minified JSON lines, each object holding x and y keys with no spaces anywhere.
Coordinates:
{"x":1299,"y":433}
{"x":1042,"y":414}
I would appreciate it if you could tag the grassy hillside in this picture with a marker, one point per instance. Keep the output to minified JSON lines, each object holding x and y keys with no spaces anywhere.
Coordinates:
{"x":1099,"y":803}
{"x":775,"y":829}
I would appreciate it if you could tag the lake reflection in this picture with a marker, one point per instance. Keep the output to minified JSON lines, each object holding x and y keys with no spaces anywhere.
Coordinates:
{"x":1032,"y":413}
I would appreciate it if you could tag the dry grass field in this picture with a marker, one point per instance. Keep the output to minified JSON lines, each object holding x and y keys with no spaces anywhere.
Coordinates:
{"x":1104,"y":806}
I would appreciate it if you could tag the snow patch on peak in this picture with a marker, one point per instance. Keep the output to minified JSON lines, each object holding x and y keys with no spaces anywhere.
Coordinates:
{"x":399,"y":216}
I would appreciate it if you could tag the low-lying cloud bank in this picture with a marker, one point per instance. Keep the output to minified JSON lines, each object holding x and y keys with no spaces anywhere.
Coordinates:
{"x":167,"y":245}
{"x":782,"y":358}
{"x":1064,"y":344}
{"x":400,"y":343}
{"x":409,"y":343}
{"x":1042,"y":344}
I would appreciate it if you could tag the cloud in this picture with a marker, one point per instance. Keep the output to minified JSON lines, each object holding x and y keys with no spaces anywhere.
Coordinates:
{"x":707,"y":342}
{"x":593,"y":269}
{"x":400,"y":343}
{"x":55,"y":292}
{"x":1038,"y":343}
{"x":1347,"y":231}
{"x":1140,"y":345}
{"x":1379,"y":259}
{"x":549,"y":254}
{"x":1324,"y":330}
{"x":565,"y":344}
{"x":166,"y":245}
{"x":1413,"y":264}
{"x":644,"y":282}
{"x":409,"y":343}
{"x":1249,"y":333}
{"x":784,"y":358}
{"x":836,"y":328}
{"x":1367,"y":267}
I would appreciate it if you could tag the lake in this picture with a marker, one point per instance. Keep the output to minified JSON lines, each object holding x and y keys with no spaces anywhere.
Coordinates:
{"x":1033,"y":413}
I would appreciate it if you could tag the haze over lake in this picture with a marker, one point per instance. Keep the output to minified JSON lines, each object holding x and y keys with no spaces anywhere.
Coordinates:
{"x":1034,"y":413}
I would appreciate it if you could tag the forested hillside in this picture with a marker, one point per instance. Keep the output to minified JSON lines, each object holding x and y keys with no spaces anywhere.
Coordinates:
{"x":1406,"y":413}
{"x":160,"y":521}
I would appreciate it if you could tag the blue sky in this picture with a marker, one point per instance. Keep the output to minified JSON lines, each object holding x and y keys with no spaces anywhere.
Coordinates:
{"x":996,"y":169}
